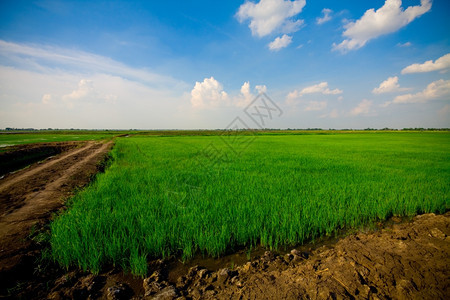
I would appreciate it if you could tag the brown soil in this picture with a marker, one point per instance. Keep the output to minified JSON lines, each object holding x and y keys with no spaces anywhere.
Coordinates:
{"x":29,"y":197}
{"x":15,"y":157}
{"x":400,"y":260}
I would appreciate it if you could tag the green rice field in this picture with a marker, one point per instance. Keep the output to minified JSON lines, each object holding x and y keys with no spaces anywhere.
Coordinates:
{"x":210,"y":195}
{"x":12,"y":139}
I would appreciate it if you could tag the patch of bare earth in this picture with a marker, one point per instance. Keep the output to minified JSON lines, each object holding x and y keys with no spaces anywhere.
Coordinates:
{"x":29,"y":197}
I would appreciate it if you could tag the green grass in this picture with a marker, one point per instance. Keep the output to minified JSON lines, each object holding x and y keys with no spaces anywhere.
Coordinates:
{"x":164,"y":195}
{"x":12,"y":139}
{"x":19,"y":138}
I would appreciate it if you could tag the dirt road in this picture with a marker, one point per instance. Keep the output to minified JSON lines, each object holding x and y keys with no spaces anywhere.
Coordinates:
{"x":29,"y":197}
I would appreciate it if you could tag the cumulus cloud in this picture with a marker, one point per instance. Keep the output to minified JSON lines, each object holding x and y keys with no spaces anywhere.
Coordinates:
{"x":326,"y":16}
{"x":316,"y":105}
{"x":440,"y":64}
{"x":436,"y":90}
{"x":268,"y":16}
{"x":363,"y":108}
{"x":280,"y":42}
{"x":246,"y":96}
{"x":321,"y":88}
{"x":208,"y":93}
{"x":387,"y":19}
{"x":85,"y":89}
{"x":390,"y":85}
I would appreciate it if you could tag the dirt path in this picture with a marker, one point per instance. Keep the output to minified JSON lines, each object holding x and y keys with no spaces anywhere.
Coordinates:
{"x":20,"y":176}
{"x":31,"y":195}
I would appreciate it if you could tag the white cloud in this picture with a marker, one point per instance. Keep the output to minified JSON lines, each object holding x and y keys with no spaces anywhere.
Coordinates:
{"x":122,"y":103}
{"x":261,"y":88}
{"x":439,"y":89}
{"x":246,"y":96}
{"x":208,"y":93}
{"x":86,"y":92}
{"x":280,"y":42}
{"x":407,"y":44}
{"x":363,"y":108}
{"x":127,"y":97}
{"x":292,"y":96}
{"x":321,"y":88}
{"x":268,"y":16}
{"x":85,"y":89}
{"x":387,"y":19}
{"x":442,"y":63}
{"x":326,"y":16}
{"x":390,"y":85}
{"x":46,"y":98}
{"x":43,"y":58}
{"x":316,"y":105}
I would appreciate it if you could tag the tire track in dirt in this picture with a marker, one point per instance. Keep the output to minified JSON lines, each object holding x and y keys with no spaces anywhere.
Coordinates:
{"x":17,"y":188}
{"x":22,"y":175}
{"x":30,"y":196}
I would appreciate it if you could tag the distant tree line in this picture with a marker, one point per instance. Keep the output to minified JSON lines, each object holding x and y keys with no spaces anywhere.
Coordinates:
{"x":59,"y":129}
{"x":9,"y":129}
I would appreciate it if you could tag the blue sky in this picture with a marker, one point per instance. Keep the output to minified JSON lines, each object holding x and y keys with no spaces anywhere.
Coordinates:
{"x":198,"y":64}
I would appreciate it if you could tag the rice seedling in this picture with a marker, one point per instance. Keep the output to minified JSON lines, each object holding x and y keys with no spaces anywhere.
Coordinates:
{"x":166,"y":195}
